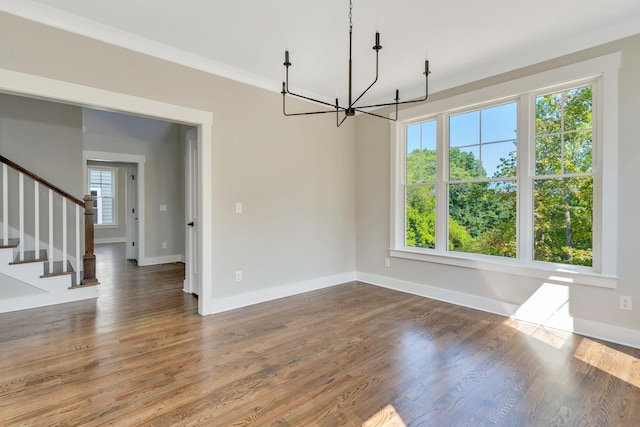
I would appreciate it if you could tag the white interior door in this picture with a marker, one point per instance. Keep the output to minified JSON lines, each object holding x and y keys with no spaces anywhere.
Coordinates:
{"x":192,"y":280}
{"x":132,"y":213}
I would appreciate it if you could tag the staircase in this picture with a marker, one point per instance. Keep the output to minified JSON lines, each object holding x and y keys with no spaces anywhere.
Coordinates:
{"x":30,"y":275}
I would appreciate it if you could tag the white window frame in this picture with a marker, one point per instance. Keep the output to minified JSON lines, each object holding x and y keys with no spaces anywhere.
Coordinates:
{"x":98,"y":211}
{"x":602,"y":73}
{"x":114,"y":171}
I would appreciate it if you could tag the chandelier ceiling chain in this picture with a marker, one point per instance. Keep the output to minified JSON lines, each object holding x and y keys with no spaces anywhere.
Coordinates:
{"x":351,"y":109}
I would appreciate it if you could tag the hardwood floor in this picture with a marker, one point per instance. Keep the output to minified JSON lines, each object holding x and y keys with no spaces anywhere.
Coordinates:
{"x":349,"y":355}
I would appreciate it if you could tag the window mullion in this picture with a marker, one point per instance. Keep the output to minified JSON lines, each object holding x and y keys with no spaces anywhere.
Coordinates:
{"x":442,"y":178}
{"x":525,"y":173}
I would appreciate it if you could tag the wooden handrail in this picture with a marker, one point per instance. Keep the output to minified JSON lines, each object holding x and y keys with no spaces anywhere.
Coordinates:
{"x":42,"y":181}
{"x":89,"y":259}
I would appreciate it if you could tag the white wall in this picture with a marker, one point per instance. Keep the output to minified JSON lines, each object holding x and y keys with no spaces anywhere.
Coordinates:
{"x":595,"y":310}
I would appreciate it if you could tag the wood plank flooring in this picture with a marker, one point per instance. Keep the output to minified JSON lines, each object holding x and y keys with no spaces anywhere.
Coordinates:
{"x":350,"y":355}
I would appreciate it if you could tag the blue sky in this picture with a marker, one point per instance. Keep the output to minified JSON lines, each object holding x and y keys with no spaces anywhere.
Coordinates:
{"x":488,"y":133}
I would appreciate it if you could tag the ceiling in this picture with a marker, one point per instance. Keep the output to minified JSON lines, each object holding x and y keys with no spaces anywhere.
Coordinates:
{"x":245,"y":40}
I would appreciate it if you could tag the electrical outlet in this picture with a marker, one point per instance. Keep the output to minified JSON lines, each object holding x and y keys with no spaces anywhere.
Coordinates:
{"x":387,"y":262}
{"x":164,"y":245}
{"x":238,"y":276}
{"x":626,"y":303}
{"x":238,"y":208}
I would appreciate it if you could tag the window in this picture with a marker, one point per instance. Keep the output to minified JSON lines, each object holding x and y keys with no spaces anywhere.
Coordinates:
{"x":519,"y":183}
{"x":102,"y":185}
{"x":482,"y":180}
{"x":563,"y":183}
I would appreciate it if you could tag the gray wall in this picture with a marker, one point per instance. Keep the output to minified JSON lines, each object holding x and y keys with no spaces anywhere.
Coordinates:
{"x":55,"y":129}
{"x":159,"y":142}
{"x":295,"y":176}
{"x":46,"y":139}
{"x":302,"y":195}
{"x":586,"y":302}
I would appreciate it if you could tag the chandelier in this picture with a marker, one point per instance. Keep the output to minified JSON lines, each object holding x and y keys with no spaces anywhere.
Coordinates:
{"x":351,"y":108}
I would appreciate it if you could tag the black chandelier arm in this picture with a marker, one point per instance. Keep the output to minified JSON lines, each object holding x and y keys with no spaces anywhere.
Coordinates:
{"x":387,"y":104}
{"x":286,"y":91}
{"x":338,"y":121}
{"x":313,"y":100}
{"x":371,"y":85}
{"x":284,"y":109}
{"x":378,"y":115}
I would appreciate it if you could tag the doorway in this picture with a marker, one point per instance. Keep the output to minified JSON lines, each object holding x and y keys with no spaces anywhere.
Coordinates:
{"x":131,"y":209}
{"x":133,"y":165}
{"x":57,"y":90}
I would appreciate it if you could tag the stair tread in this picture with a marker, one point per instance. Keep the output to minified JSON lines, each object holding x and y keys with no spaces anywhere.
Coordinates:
{"x":30,"y":256}
{"x":11,"y":243}
{"x":85,"y":284}
{"x":56,"y":269}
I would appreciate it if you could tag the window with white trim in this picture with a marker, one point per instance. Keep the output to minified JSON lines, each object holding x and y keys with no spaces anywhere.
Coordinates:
{"x":102,"y":185}
{"x":519,"y":180}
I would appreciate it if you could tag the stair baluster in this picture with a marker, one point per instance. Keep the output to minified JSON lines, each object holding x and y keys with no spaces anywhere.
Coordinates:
{"x":36,"y":202}
{"x":21,"y":213}
{"x":88,"y":268}
{"x":5,"y":204}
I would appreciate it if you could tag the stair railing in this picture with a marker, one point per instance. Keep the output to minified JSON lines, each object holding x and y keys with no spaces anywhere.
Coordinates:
{"x":88,"y":276}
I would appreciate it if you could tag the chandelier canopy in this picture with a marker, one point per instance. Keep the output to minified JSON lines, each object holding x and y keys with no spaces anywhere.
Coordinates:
{"x":351,"y":108}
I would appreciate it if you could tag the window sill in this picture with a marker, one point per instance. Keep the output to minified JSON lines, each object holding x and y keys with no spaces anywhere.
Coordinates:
{"x":565,"y":275}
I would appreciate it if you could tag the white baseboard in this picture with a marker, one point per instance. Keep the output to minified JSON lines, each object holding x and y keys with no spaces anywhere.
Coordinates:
{"x":45,"y":299}
{"x":589,"y":328}
{"x":250,"y":298}
{"x":109,"y":240}
{"x":167,"y":259}
{"x":440,"y":294}
{"x":603,"y":331}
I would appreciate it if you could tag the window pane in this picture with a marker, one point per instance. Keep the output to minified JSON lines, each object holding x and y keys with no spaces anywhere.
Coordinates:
{"x":102,"y":185}
{"x":429,"y":149}
{"x":499,"y":159}
{"x":499,"y":123}
{"x":413,"y":138}
{"x":577,"y":109}
{"x":464,"y":129}
{"x":549,"y":155}
{"x":564,"y":132}
{"x":577,"y":148}
{"x":563,"y":215}
{"x":420,"y":216}
{"x":482,"y":218}
{"x":549,"y":114}
{"x":464,"y":163}
{"x":421,"y":152}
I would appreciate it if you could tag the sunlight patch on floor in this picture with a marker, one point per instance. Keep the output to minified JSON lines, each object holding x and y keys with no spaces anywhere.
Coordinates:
{"x":548,"y":306}
{"x":386,"y":417}
{"x":614,"y":362}
{"x":553,"y":337}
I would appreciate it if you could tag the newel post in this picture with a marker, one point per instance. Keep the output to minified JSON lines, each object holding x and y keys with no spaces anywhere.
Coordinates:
{"x":89,"y":257}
